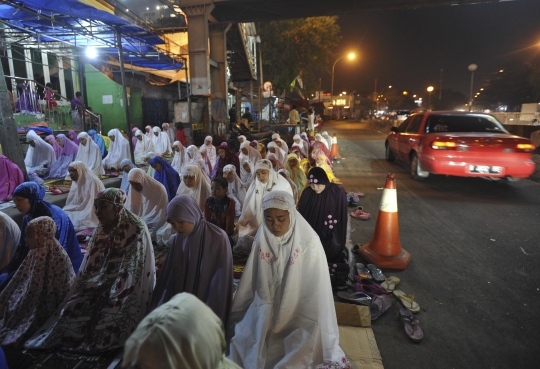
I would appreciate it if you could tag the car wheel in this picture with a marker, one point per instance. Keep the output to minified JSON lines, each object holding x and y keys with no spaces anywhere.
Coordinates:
{"x":389,"y":154}
{"x":416,"y":170}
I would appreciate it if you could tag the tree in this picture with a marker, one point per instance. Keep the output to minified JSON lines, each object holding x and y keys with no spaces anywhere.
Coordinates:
{"x":291,"y":46}
{"x":518,"y":83}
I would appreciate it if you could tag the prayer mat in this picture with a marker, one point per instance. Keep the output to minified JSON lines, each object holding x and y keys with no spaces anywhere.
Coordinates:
{"x":54,"y":359}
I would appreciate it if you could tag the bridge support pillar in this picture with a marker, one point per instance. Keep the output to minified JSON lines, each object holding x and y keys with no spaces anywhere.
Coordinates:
{"x":218,"y":54}
{"x":197,"y":12}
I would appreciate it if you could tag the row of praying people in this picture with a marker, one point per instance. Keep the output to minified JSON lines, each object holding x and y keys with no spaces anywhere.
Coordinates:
{"x":70,"y":329}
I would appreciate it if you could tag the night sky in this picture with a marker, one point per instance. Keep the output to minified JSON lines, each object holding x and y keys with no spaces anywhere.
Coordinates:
{"x":407,"y":49}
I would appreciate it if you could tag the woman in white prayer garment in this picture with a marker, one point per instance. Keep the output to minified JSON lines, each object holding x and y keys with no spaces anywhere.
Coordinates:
{"x":283,"y":314}
{"x":40,"y":155}
{"x":118,"y":150}
{"x":266,"y":180}
{"x":162,"y":143}
{"x":80,"y":201}
{"x":144,"y":145}
{"x":90,"y":154}
{"x":147,"y":198}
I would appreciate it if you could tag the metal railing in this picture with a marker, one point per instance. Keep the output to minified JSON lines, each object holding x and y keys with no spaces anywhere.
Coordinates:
{"x":521,"y":119}
{"x":89,"y":115}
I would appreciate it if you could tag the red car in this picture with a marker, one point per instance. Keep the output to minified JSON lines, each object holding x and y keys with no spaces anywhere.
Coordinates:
{"x":459,"y":144}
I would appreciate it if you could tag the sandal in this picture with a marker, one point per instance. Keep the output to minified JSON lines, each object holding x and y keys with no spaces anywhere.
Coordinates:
{"x":355,"y":297}
{"x":376,"y":273}
{"x":390,"y":283}
{"x":407,"y":301}
{"x":379,"y":305}
{"x":374,"y":286}
{"x":360,"y":214}
{"x":361,"y":288}
{"x":411,"y":325}
{"x":362,"y":271}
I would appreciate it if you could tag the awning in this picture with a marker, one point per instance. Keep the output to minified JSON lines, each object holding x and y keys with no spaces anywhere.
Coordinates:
{"x":80,"y":25}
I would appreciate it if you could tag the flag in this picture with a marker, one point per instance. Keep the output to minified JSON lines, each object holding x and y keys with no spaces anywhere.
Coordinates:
{"x":296,"y":79}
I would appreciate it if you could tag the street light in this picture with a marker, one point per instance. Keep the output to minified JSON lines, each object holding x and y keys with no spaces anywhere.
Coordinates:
{"x":430,"y":90}
{"x":351,"y":56}
{"x":472,"y":68}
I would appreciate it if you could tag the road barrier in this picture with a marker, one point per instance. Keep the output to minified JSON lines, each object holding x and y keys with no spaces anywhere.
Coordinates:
{"x":384,"y":250}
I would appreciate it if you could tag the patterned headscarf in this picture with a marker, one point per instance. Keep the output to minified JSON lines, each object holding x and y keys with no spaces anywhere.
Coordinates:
{"x":113,"y":195}
{"x":38,"y":287}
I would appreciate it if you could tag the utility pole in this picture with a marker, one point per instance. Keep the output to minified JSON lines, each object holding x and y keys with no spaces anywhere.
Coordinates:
{"x":125,"y":97}
{"x":9,"y":139}
{"x":440,"y":85}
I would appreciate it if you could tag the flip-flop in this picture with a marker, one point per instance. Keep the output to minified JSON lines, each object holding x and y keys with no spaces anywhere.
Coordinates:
{"x":374,"y":286}
{"x":359,"y":287}
{"x":407,"y":301}
{"x":376,"y":273}
{"x":362,"y":271}
{"x":379,"y":305}
{"x":355,"y":297}
{"x":390,"y":283}
{"x":411,"y":325}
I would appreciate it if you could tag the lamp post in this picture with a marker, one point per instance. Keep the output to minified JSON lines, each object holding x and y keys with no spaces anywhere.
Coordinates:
{"x":472,"y":68}
{"x":430,"y":90}
{"x":351,"y":56}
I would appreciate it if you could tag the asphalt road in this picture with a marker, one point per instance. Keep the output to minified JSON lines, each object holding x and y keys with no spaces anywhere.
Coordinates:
{"x":475,"y":267}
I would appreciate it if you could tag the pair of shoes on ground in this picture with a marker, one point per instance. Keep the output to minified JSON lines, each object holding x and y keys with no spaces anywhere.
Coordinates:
{"x":369,"y":272}
{"x":353,"y":198}
{"x":380,"y":299}
{"x":359,"y":213}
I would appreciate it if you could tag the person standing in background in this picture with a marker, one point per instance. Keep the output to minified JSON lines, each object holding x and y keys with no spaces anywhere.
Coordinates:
{"x":293,"y":116}
{"x":311,"y":122}
{"x":247,"y":115}
{"x":182,"y":135}
{"x":77,"y":111}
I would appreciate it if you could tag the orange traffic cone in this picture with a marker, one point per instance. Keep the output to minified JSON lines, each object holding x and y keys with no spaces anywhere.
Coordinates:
{"x":334,"y":153}
{"x":384,"y":250}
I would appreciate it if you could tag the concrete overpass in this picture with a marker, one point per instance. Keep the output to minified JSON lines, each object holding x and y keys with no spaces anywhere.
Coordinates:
{"x":215,"y":31}
{"x":237,"y":11}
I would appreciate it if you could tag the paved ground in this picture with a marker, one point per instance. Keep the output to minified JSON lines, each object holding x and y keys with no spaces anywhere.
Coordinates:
{"x":474,"y":269}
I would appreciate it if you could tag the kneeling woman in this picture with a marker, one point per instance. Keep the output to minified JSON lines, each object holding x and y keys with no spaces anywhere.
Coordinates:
{"x":112,"y":291}
{"x":147,"y":200}
{"x":38,"y":287}
{"x":79,"y":204}
{"x":324,"y":206}
{"x":195,"y":185}
{"x":283,"y":314}
{"x":199,"y":261}
{"x":28,"y":198}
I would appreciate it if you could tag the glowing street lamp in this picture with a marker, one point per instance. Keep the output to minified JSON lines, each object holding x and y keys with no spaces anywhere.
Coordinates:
{"x":350,"y":56}
{"x":472,"y":68}
{"x":430,"y":90}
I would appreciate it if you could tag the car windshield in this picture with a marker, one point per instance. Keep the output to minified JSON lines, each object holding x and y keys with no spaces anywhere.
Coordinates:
{"x":463,"y":123}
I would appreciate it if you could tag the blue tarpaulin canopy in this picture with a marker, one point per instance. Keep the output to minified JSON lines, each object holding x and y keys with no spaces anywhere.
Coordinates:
{"x":80,"y":25}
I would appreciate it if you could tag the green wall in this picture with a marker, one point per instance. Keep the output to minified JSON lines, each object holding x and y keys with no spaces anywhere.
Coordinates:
{"x":113,"y":115}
